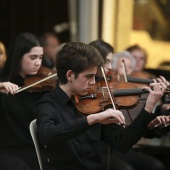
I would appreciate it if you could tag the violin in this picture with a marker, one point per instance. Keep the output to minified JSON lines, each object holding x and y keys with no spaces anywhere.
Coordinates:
{"x":97,"y":99}
{"x":140,"y":74}
{"x":44,"y":80}
{"x":102,"y":99}
{"x":139,"y":79}
{"x":124,"y":94}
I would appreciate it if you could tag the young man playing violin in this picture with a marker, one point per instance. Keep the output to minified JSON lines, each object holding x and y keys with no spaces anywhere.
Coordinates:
{"x":72,"y":140}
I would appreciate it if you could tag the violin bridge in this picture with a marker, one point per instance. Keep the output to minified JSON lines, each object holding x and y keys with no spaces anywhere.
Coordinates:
{"x":103,"y":93}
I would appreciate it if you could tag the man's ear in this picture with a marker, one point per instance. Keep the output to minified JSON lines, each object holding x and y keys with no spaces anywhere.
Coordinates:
{"x":70,"y":75}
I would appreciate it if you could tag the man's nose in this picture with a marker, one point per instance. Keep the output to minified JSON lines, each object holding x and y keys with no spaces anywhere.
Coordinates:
{"x":109,"y":66}
{"x":92,"y":81}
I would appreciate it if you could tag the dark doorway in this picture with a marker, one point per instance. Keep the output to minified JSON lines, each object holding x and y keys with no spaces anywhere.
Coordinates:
{"x":35,"y":16}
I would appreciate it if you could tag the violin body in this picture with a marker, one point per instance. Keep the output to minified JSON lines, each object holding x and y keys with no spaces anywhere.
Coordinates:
{"x":140,"y":79}
{"x":140,"y":74}
{"x":93,"y":102}
{"x":46,"y":85}
{"x":98,"y":99}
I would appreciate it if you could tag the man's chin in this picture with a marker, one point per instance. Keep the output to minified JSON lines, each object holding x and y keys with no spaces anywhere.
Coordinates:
{"x":83,"y":93}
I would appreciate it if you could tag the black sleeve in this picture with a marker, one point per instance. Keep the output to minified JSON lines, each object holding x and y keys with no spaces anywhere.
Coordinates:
{"x":158,"y":131}
{"x":123,"y":139}
{"x":52,"y":129}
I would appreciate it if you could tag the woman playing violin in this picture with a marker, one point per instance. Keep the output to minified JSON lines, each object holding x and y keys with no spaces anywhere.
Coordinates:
{"x":72,"y":140}
{"x":120,"y":160}
{"x":17,"y":151}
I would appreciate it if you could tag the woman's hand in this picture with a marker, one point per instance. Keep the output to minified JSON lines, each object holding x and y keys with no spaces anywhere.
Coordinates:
{"x":159,"y":121}
{"x":162,"y":79}
{"x":7,"y":87}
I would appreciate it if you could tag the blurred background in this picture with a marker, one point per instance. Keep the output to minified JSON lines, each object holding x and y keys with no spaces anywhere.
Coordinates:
{"x":119,"y":22}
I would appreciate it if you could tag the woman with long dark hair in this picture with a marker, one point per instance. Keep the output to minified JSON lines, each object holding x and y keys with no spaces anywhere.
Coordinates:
{"x":17,"y":151}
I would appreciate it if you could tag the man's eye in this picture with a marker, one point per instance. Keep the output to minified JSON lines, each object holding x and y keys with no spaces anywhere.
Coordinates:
{"x":89,"y":76}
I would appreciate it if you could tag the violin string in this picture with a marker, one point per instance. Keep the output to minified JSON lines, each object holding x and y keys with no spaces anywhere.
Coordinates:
{"x":24,"y":88}
{"x":104,"y":89}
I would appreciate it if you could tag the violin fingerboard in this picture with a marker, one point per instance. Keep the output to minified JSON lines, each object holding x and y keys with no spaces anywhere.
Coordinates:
{"x":131,"y":114}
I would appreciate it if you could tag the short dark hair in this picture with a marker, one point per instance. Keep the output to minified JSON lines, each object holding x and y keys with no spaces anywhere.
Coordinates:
{"x":23,"y":43}
{"x":137,"y":47}
{"x":103,"y":47}
{"x":134,"y":47}
{"x":45,"y":36}
{"x":76,"y":56}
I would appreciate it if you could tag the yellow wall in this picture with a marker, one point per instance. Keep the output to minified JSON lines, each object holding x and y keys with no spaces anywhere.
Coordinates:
{"x":117,"y":30}
{"x":158,"y":51}
{"x":117,"y":22}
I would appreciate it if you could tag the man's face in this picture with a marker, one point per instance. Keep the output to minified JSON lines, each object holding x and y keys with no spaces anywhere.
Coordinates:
{"x":50,"y":50}
{"x":84,"y":81}
{"x":140,"y":59}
